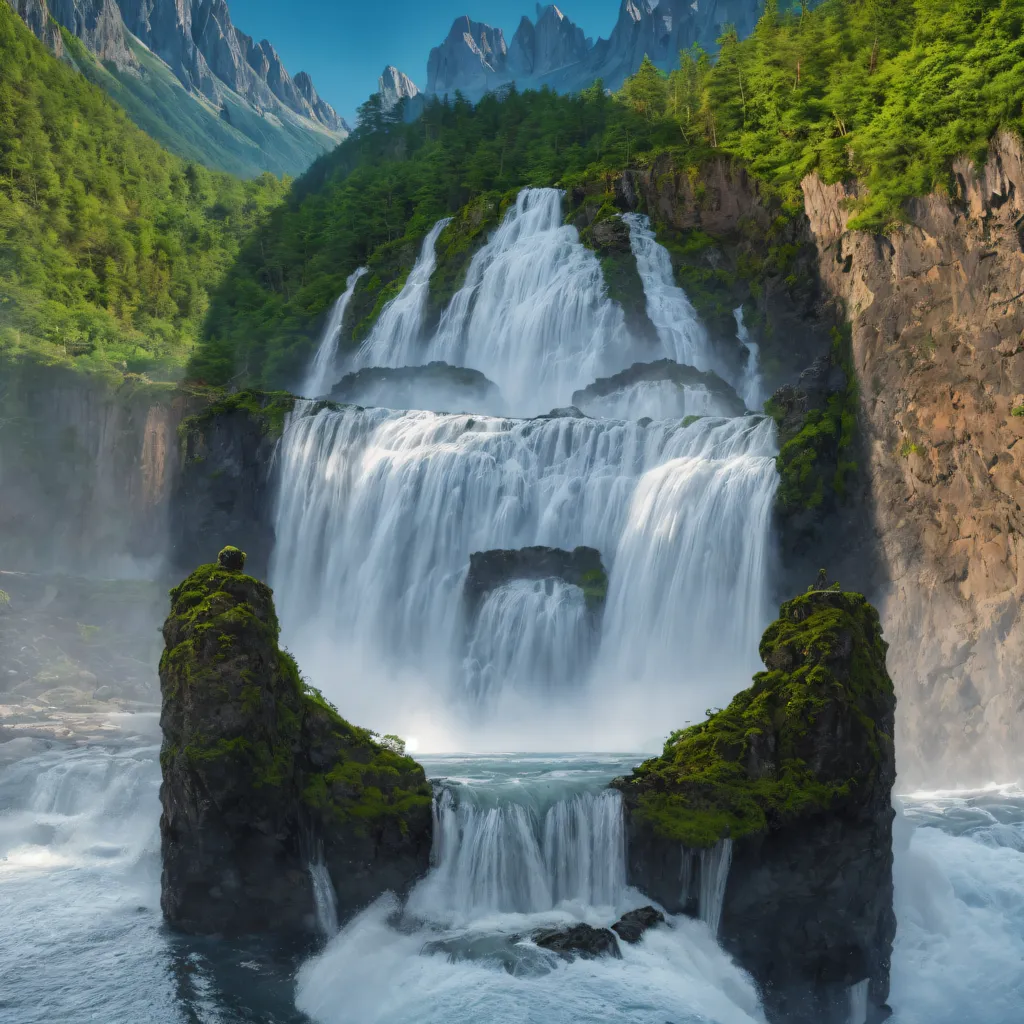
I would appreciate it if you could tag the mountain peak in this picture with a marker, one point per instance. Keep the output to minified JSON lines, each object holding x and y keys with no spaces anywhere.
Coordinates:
{"x":394,"y":86}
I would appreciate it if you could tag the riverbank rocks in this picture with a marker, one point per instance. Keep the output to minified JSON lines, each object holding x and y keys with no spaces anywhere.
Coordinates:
{"x":262,"y":777}
{"x":794,"y":781}
{"x":582,"y":567}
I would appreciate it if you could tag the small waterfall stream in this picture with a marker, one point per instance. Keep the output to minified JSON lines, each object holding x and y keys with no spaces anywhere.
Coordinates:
{"x":323,"y":372}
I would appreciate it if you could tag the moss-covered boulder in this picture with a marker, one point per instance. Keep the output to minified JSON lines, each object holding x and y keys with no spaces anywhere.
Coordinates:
{"x":262,"y":777}
{"x":794,"y":779}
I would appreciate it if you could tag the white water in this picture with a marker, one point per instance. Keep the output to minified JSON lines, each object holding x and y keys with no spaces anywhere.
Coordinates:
{"x":397,"y":336}
{"x":714,"y":875}
{"x":323,"y":373}
{"x":684,"y":337}
{"x":324,"y":898}
{"x":656,"y":400}
{"x":533,"y":636}
{"x":751,"y":387}
{"x":381,"y":511}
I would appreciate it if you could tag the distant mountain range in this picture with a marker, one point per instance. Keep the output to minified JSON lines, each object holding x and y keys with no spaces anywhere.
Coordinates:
{"x":195,"y":82}
{"x":553,"y":51}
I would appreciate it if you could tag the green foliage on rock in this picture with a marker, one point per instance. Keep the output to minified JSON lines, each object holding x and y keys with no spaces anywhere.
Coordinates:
{"x":108,"y":244}
{"x":594,"y":584}
{"x":815,"y":462}
{"x":810,"y":736}
{"x":381,"y":191}
{"x":236,"y":705}
{"x":269,"y":409}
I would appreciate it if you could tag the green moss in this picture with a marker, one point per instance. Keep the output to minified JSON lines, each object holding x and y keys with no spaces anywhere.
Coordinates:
{"x":595,"y":588}
{"x":815,"y":462}
{"x":826,"y":699}
{"x":689,"y":421}
{"x":459,"y":243}
{"x":1017,"y":410}
{"x":269,"y":409}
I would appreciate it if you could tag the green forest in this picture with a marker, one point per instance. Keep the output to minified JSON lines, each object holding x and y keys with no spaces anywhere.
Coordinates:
{"x":111,"y":245}
{"x":887,"y":93}
{"x":116,"y":253}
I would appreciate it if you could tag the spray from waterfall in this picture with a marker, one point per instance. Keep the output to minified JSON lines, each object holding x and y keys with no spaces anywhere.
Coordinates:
{"x":397,"y":336}
{"x":323,"y":372}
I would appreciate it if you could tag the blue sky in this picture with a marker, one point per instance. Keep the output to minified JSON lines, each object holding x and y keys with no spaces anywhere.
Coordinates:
{"x":346,"y":44}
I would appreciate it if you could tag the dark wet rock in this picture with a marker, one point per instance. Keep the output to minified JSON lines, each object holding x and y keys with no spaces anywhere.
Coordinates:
{"x":580,"y":940}
{"x":680,"y":374}
{"x":261,"y":776}
{"x":797,"y":774}
{"x":581,"y":567}
{"x":437,"y":386}
{"x":567,"y":412}
{"x":632,"y":926}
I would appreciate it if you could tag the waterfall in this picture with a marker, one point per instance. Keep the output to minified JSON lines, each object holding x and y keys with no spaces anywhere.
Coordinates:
{"x":859,"y":1002}
{"x":398,"y":333}
{"x":534,"y":313}
{"x":321,"y":375}
{"x":682,"y":335}
{"x":529,"y":635}
{"x":496,"y":855}
{"x":751,"y":386}
{"x":656,"y":400}
{"x":382,"y":510}
{"x":324,"y":898}
{"x":714,"y":874}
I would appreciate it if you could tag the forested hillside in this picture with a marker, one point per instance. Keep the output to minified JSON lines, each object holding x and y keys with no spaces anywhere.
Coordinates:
{"x":884,"y":93}
{"x":109,"y":245}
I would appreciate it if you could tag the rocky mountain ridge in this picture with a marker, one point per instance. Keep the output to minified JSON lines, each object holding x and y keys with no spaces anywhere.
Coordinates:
{"x":554,"y":51}
{"x":217,"y":65}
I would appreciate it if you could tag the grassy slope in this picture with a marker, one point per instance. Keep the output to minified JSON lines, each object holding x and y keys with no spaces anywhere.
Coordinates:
{"x":189,"y":126}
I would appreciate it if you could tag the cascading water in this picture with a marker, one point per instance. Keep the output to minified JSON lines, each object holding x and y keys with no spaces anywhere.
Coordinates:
{"x":323,"y":372}
{"x":656,"y":400}
{"x":396,"y":336}
{"x":382,"y":510}
{"x":324,"y":897}
{"x":751,"y":386}
{"x":683,"y":336}
{"x":529,"y":634}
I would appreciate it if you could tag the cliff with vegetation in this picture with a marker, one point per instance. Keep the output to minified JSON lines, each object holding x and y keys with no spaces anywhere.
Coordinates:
{"x":262,"y":778}
{"x":796,"y":774}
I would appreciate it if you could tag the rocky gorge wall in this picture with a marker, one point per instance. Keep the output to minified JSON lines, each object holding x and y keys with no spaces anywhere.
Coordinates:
{"x":937,"y":313}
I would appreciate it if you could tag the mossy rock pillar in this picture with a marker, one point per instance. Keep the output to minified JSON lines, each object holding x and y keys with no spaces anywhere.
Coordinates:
{"x":261,"y":775}
{"x":797,"y":774}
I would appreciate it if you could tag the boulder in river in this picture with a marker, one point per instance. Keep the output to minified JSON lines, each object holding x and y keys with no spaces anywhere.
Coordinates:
{"x":792,"y":783}
{"x":579,"y":940}
{"x":262,"y":778}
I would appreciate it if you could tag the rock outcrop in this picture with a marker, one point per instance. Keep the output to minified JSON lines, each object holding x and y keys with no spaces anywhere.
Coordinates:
{"x":937,"y":314}
{"x":793,"y":781}
{"x":472,"y":60}
{"x":98,"y":24}
{"x":437,"y":386}
{"x":394,"y":86}
{"x":554,"y":42}
{"x":581,"y":568}
{"x":579,"y":940}
{"x":262,"y":779}
{"x":723,"y":396}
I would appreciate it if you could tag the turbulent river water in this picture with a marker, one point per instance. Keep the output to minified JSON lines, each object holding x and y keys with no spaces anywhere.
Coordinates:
{"x":378,"y":514}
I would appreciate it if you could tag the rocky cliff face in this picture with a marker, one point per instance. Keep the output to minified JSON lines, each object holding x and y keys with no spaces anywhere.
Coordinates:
{"x":793,"y":782}
{"x":937,"y":315}
{"x":224,"y":484}
{"x":205,"y":51}
{"x":394,"y":86}
{"x":86,"y":469}
{"x":473,"y":59}
{"x":554,"y":42}
{"x":263,"y":779}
